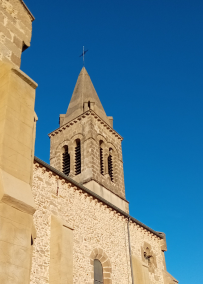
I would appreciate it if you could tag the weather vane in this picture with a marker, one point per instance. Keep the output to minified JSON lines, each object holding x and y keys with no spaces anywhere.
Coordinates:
{"x":83,"y":55}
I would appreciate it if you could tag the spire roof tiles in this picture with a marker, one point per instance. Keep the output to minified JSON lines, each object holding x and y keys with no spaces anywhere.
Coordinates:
{"x":84,"y":97}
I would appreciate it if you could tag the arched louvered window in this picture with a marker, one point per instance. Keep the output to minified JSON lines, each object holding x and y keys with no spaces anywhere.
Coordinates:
{"x":66,"y":161}
{"x":98,"y":272}
{"x":78,"y":157}
{"x":101,"y":158}
{"x":110,"y":164}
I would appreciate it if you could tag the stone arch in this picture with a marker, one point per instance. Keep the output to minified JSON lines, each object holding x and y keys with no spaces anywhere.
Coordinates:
{"x":99,"y":254}
{"x":115,"y":158}
{"x":59,"y":151}
{"x":74,"y":140}
{"x":102,"y":143}
{"x":101,"y":137}
{"x":61,"y":145}
{"x":106,"y":147}
{"x":65,"y":160}
{"x":77,"y":136}
{"x":110,"y":145}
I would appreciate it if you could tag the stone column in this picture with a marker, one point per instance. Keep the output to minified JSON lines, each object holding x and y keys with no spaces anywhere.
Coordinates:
{"x":17,"y":135}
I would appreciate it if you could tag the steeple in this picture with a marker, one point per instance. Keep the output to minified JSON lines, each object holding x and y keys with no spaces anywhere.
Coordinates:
{"x":86,"y":147}
{"x":84,"y":97}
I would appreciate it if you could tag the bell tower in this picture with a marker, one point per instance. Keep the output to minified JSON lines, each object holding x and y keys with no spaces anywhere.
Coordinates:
{"x":87,"y":148}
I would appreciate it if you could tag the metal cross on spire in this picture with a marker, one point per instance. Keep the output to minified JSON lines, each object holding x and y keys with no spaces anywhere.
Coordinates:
{"x":83,"y":55}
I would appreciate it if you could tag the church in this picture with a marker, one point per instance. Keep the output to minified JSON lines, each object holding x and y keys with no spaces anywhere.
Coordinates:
{"x":67,"y":222}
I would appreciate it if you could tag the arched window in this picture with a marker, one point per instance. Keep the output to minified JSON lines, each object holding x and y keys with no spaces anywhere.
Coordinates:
{"x":110,"y":164}
{"x":101,"y":158}
{"x":98,"y":272}
{"x":77,"y":157}
{"x":66,"y":161}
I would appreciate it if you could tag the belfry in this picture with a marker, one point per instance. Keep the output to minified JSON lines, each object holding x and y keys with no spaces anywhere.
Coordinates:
{"x":87,"y":148}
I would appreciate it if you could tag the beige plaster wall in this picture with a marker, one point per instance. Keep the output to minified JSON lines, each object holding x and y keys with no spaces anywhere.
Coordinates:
{"x":98,"y":231}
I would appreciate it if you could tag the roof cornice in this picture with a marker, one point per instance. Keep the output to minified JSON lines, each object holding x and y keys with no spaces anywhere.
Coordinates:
{"x":28,"y":10}
{"x":77,"y":119}
{"x":86,"y":190}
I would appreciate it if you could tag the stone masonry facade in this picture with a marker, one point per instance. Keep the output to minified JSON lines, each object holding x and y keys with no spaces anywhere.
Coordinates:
{"x":92,"y":131}
{"x":15,"y":30}
{"x":52,"y":227}
{"x":99,"y":231}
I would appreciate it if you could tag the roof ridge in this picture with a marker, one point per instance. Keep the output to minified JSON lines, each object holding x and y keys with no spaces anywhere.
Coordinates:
{"x":82,"y":187}
{"x":86,"y":113}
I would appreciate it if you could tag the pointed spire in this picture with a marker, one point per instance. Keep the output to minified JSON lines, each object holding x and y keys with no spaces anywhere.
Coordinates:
{"x":84,"y":97}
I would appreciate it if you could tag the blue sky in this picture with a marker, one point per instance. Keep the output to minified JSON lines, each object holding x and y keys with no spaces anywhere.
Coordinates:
{"x":145,"y":60}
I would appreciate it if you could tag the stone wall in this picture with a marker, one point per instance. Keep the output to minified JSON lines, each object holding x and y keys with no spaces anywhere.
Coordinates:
{"x":143,"y":242}
{"x":17,"y":138}
{"x":15,"y":30}
{"x":90,"y":129}
{"x":98,"y":232}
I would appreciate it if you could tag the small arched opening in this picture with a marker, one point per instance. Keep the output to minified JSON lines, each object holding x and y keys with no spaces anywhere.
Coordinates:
{"x":78,"y":157}
{"x":101,"y":151}
{"x":66,"y":161}
{"x":101,"y":267}
{"x":98,"y":272}
{"x":110,"y":164}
